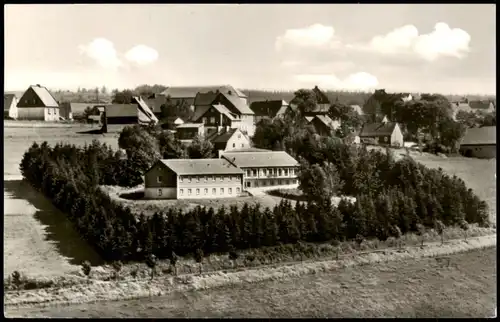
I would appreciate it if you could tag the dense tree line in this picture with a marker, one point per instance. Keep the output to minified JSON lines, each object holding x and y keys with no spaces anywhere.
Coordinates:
{"x":391,"y":197}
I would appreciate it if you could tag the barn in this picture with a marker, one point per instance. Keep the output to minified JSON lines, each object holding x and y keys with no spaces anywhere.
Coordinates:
{"x":38,"y":104}
{"x":135,"y":113}
{"x":480,"y":142}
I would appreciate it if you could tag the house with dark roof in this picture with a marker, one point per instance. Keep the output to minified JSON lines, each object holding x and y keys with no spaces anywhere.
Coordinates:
{"x":9,"y":106}
{"x":485,"y":106}
{"x":135,"y":113}
{"x":188,"y":93}
{"x":383,"y":133}
{"x":37,"y":103}
{"x":186,"y":132}
{"x":217,"y":109}
{"x":265,"y":169}
{"x":323,"y":124}
{"x":269,"y":109}
{"x":193,"y":179}
{"x":480,"y":142}
{"x":229,"y":139}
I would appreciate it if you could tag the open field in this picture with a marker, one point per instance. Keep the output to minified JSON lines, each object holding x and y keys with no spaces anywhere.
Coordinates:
{"x":425,"y":287}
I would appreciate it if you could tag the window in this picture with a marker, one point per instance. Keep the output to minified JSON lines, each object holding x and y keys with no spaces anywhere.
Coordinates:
{"x":48,"y":111}
{"x":279,"y":172}
{"x":181,"y":191}
{"x":189,"y":179}
{"x":206,"y":191}
{"x":212,"y":120}
{"x":292,"y":171}
{"x":265,"y":172}
{"x":286,"y":172}
{"x":230,"y":191}
{"x":189,"y":192}
{"x":242,"y":145}
{"x":205,"y":178}
{"x":239,"y":136}
{"x":159,"y":192}
{"x":221,"y":191}
{"x":269,"y":172}
{"x":234,"y":145}
{"x":197,"y":179}
{"x":248,"y":184}
{"x":204,"y":120}
{"x":248,"y":173}
{"x":181,"y":178}
{"x":197,"y":191}
{"x":238,"y":190}
{"x":213,"y":178}
{"x":254,"y":172}
{"x":159,"y":179}
{"x":281,"y":182}
{"x":214,"y":191}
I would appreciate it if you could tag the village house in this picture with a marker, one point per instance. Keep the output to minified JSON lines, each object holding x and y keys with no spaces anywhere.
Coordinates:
{"x":484,"y":106}
{"x":217,"y":109}
{"x":135,"y":113}
{"x":323,"y":124}
{"x":266,"y":169}
{"x":193,"y":179}
{"x":38,"y":104}
{"x":188,"y":93}
{"x":188,"y":131}
{"x":383,"y":133}
{"x":10,"y":106}
{"x":269,"y":109}
{"x":479,"y":142}
{"x":229,"y":139}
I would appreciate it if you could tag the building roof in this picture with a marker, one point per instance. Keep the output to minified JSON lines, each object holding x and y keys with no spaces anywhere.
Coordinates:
{"x":321,"y":97}
{"x":7,"y":101}
{"x":309,"y":118}
{"x":121,"y":110}
{"x":480,"y":136}
{"x":43,"y":93}
{"x":189,"y":125}
{"x":261,"y":159}
{"x":224,"y":135}
{"x":484,"y":105}
{"x":201,"y":166}
{"x":250,"y":150}
{"x":145,"y":114}
{"x":191,"y":91}
{"x":179,"y":121}
{"x":238,"y":103}
{"x":223,"y":110}
{"x":377,"y":129}
{"x":325,"y":119}
{"x":269,"y":108}
{"x":205,"y":98}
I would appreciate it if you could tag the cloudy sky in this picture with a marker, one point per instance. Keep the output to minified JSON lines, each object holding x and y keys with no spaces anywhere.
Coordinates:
{"x":418,"y":48}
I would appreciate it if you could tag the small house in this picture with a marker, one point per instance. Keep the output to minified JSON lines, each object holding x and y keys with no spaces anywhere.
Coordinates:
{"x":136,"y":113}
{"x":228,"y":139}
{"x":188,"y":131}
{"x":323,"y":124}
{"x":383,"y":133}
{"x":9,"y":106}
{"x":193,"y":179}
{"x":269,"y":109}
{"x":37,"y":103}
{"x":479,"y":142}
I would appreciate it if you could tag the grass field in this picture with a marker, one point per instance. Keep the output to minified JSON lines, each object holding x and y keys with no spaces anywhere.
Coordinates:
{"x":411,"y":288}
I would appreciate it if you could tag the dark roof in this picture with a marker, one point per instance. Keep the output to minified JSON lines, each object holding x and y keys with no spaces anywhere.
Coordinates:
{"x":7,"y":101}
{"x":261,"y":159}
{"x":43,"y":93}
{"x":145,"y":114}
{"x":480,"y":135}
{"x":321,"y":97}
{"x":269,"y":108}
{"x":222,"y":136}
{"x":325,"y":119}
{"x":238,"y":103}
{"x":191,"y":91}
{"x":377,"y":129}
{"x":121,"y":110}
{"x":205,"y":98}
{"x":201,"y":166}
{"x":480,"y":104}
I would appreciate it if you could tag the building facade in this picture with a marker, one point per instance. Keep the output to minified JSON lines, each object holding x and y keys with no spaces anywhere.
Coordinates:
{"x":480,"y":143}
{"x":38,"y":104}
{"x":10,"y":106}
{"x":228,"y":139}
{"x":265,"y":169}
{"x":193,"y":179}
{"x":385,"y":133}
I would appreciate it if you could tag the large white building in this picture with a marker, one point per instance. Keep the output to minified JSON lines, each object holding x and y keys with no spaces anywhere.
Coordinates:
{"x":38,"y":104}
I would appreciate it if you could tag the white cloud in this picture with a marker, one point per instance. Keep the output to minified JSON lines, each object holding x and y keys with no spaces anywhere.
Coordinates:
{"x":142,"y":55}
{"x":103,"y":52}
{"x":442,"y":41}
{"x":361,"y":81}
{"x":316,"y":35}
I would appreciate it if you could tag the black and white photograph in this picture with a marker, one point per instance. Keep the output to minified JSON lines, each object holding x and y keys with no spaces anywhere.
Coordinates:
{"x":249,"y":161}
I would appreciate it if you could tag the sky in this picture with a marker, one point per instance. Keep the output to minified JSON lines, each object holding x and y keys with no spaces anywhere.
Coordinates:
{"x":446,"y":48}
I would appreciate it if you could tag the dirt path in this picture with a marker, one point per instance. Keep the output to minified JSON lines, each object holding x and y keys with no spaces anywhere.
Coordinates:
{"x":415,"y":288}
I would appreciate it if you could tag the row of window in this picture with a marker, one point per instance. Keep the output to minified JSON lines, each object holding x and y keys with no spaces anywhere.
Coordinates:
{"x":270,"y":172}
{"x":205,"y":191}
{"x":263,"y":183}
{"x":190,"y":179}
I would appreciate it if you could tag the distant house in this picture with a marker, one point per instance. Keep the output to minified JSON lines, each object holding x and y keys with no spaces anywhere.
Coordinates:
{"x":479,"y":142}
{"x":193,"y":179}
{"x":217,"y":109}
{"x":482,"y":106}
{"x":269,"y":109}
{"x":136,"y":113}
{"x":383,"y":133}
{"x":270,"y":169}
{"x":10,"y":106}
{"x":178,"y":121}
{"x":322,"y":103}
{"x":323,"y":124}
{"x":188,"y":93}
{"x":38,"y":104}
{"x":229,"y":139}
{"x":188,"y":131}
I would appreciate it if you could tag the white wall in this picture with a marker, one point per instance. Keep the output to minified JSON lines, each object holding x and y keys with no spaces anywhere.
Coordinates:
{"x":239,"y":140}
{"x":210,"y":195}
{"x":160,"y":193}
{"x":13,"y":108}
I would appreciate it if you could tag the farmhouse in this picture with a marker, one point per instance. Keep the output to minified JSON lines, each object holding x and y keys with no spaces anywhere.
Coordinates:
{"x":229,"y":139}
{"x":483,"y":106}
{"x":479,"y":142}
{"x":38,"y":104}
{"x":215,"y":109}
{"x":323,"y":124}
{"x":136,"y":113}
{"x":193,"y":179}
{"x":10,"y":106}
{"x":188,"y":131}
{"x":188,"y":94}
{"x":383,"y":133}
{"x":269,"y":109}
{"x":269,"y":169}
